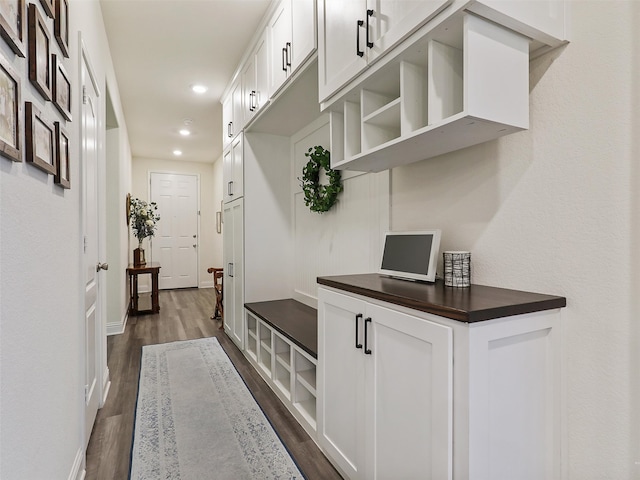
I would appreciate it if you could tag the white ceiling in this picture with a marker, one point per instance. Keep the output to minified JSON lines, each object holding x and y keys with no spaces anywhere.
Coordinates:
{"x":162,"y":47}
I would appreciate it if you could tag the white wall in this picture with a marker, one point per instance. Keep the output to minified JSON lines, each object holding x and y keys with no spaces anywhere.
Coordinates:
{"x":555,"y":210}
{"x":210,"y":196}
{"x":41,"y":307}
{"x":347,"y":238}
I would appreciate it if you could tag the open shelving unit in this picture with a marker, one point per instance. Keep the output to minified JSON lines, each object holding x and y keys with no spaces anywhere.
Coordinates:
{"x":287,"y":364}
{"x":251,"y":344}
{"x":464,"y":83}
{"x":265,"y":352}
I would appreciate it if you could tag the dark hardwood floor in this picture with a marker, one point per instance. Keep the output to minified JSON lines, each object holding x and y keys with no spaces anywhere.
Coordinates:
{"x":184,"y":315}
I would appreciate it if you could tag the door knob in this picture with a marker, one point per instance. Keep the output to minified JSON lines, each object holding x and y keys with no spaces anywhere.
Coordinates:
{"x":102,"y":266}
{"x":194,"y":245}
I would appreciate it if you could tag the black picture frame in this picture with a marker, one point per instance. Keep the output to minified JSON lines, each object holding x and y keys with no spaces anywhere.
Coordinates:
{"x":39,"y":140}
{"x":13,"y":22}
{"x":62,"y":176}
{"x":61,"y":91}
{"x":61,"y":25}
{"x":39,"y":53}
{"x":10,"y":95}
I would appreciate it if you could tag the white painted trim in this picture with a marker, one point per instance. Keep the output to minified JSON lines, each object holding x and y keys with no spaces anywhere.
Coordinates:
{"x":77,"y":472}
{"x":207,"y":284}
{"x":105,"y":387}
{"x":118,"y":328}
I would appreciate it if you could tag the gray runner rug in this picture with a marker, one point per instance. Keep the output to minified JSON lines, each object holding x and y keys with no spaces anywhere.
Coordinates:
{"x":196,"y":419}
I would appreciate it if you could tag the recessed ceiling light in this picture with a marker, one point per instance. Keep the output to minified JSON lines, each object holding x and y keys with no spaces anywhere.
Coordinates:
{"x":177,"y":153}
{"x":184,"y":132}
{"x":199,"y":88}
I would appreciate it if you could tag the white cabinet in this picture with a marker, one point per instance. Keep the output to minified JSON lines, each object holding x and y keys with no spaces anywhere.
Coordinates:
{"x":385,"y":390}
{"x":233,"y":169}
{"x":233,"y":252}
{"x":292,"y":38}
{"x":255,"y":80}
{"x":464,"y":83}
{"x":227,"y":120}
{"x":232,"y":113}
{"x":353,"y":33}
{"x":407,"y":394}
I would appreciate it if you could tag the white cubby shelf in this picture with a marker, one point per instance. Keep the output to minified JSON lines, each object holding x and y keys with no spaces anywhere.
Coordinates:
{"x":464,"y":83}
{"x":281,"y":344}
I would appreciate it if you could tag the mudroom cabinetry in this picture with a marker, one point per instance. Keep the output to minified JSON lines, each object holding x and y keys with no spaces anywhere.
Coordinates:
{"x":352,"y":34}
{"x":233,"y":254}
{"x":426,"y":381}
{"x":233,"y":170}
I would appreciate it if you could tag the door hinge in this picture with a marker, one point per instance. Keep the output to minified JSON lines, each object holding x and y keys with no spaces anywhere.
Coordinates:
{"x":86,"y":393}
{"x":85,"y":241}
{"x":84,"y":95}
{"x":198,"y":212}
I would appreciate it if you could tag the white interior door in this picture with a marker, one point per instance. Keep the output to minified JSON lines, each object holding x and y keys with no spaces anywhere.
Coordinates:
{"x":175,"y":244}
{"x":91,"y":231}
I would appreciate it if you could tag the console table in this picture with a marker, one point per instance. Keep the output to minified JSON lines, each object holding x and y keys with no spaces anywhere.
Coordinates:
{"x":132,"y":271}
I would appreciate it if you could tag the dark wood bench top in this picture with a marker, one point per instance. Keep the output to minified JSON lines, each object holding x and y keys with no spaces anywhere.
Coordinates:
{"x":471,"y":304}
{"x":296,"y":321}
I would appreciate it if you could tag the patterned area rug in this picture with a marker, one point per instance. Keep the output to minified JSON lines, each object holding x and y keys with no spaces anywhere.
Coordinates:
{"x":196,"y":419}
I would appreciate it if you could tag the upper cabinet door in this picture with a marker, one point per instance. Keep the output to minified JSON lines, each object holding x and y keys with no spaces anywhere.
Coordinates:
{"x":390,"y":21}
{"x":227,"y":120}
{"x":341,"y":43}
{"x":303,"y":16}
{"x":261,"y":58}
{"x":238,"y":112}
{"x":249,"y":89}
{"x":279,"y":30}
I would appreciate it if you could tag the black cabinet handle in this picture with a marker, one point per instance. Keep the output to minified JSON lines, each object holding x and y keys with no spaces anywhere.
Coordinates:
{"x":367,"y":350}
{"x":369,"y":42}
{"x":359,"y":52}
{"x":231,"y":270}
{"x":288,"y":48}
{"x":284,"y":60}
{"x":254,"y":100}
{"x":229,"y":188}
{"x":230,"y":129}
{"x":358,"y":317}
{"x":251,"y":100}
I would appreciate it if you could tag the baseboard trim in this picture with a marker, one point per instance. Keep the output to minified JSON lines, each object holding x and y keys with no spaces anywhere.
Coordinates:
{"x":207,"y":284}
{"x":77,"y":472}
{"x":118,"y":328}
{"x":106,"y":386}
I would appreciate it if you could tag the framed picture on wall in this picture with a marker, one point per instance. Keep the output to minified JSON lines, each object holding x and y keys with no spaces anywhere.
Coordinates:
{"x":10,"y":109}
{"x":61,"y":25}
{"x":39,"y":53}
{"x":63,"y":158}
{"x":61,"y":88}
{"x":13,"y":21}
{"x":39,"y":140}
{"x":47,"y":5}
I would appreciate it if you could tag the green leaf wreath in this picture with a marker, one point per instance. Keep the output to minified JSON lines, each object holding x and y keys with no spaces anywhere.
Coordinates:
{"x":320,"y":198}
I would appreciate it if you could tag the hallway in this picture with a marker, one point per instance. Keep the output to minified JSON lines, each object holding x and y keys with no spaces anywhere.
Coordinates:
{"x":184,"y":314}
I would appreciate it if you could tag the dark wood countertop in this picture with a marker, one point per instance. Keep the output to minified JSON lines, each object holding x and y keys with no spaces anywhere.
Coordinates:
{"x":296,"y":321}
{"x":472,"y":304}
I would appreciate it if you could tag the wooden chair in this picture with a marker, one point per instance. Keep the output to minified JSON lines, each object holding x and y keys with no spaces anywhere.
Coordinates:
{"x":218,"y":273}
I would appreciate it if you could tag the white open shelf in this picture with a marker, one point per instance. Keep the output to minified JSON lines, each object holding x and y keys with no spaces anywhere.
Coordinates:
{"x":252,"y":337}
{"x":465,"y":83}
{"x":264,"y":354}
{"x":287,"y":369}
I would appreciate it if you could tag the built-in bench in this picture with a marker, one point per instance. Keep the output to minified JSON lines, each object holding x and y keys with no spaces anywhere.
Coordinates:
{"x":281,"y":342}
{"x":296,"y":321}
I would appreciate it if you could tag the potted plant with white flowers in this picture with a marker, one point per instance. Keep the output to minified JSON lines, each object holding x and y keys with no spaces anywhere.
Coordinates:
{"x":144,"y":219}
